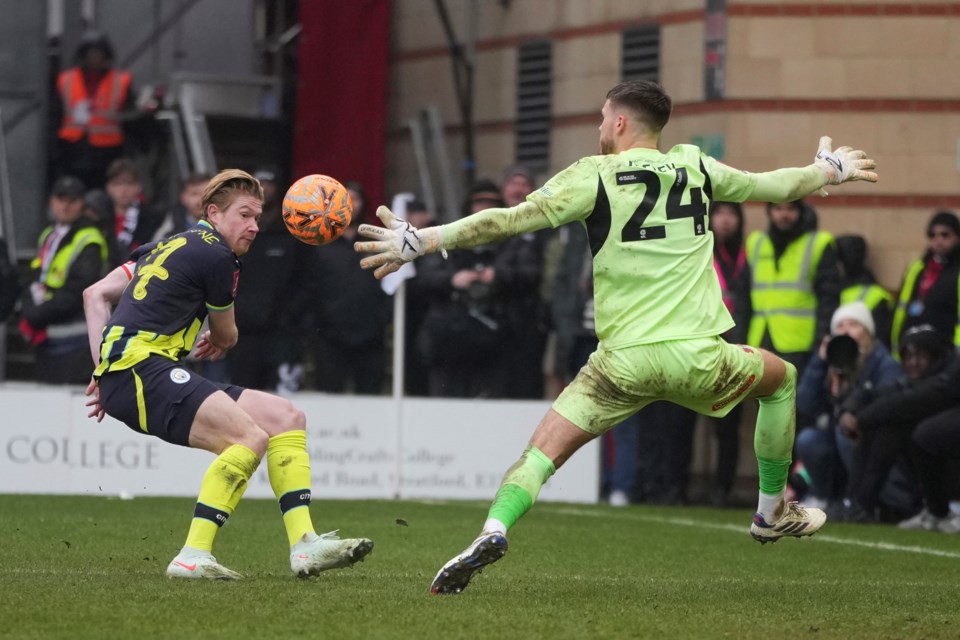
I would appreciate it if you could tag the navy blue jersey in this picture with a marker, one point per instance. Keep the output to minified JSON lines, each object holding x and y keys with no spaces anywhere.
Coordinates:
{"x":175,"y":283}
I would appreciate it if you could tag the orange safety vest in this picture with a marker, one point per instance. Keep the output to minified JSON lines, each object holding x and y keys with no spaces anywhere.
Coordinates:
{"x":102,"y":127}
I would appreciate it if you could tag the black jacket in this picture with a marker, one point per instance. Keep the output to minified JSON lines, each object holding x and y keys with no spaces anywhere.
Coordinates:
{"x":910,"y":402}
{"x":270,"y":290}
{"x":940,"y":303}
{"x":348,"y":304}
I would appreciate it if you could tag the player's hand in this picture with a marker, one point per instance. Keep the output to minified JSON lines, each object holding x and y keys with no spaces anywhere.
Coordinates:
{"x":206,"y":350}
{"x":96,"y":411}
{"x":844,"y":164}
{"x":394,"y":244}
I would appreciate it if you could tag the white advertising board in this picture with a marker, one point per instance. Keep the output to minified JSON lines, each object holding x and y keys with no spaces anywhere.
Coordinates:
{"x":360,"y":447}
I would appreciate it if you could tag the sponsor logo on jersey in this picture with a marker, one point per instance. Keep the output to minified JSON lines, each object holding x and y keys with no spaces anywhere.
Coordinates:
{"x":180,"y":376}
{"x":736,"y":394}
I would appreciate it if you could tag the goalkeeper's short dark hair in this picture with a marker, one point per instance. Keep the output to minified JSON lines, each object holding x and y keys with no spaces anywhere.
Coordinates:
{"x":646,"y":99}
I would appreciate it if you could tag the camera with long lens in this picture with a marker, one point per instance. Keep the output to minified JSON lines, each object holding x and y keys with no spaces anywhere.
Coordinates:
{"x":843,"y":355}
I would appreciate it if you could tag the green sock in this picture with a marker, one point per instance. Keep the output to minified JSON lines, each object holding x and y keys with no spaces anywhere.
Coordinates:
{"x":773,"y":438}
{"x":521,"y":486}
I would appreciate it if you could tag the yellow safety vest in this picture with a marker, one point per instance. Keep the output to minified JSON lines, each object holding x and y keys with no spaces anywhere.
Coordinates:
{"x":784,"y":303}
{"x":60,"y":265}
{"x":869,"y":294}
{"x":903,"y":303}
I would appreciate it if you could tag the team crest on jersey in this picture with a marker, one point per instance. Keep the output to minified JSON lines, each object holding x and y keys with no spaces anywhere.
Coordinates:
{"x":180,"y":376}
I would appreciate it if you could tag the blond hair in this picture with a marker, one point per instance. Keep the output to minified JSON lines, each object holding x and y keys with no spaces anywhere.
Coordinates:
{"x":224,"y":187}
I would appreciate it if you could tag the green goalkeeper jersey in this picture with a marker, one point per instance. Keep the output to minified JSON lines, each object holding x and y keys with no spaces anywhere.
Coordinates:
{"x":645,"y":213}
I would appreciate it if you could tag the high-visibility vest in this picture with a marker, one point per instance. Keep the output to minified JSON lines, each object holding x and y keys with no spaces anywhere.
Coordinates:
{"x":58,"y":270}
{"x":871,"y":295}
{"x":903,"y":303}
{"x":784,"y":303}
{"x":103,"y":126}
{"x":63,"y":259}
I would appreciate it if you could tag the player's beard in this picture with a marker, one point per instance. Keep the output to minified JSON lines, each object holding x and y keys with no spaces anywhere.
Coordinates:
{"x":606,"y":146}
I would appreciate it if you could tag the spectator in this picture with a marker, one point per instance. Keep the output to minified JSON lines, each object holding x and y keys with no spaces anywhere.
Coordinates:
{"x":730,"y":263}
{"x":928,"y":293}
{"x":795,"y":283}
{"x":936,"y":443}
{"x":9,"y":283}
{"x":92,"y":97}
{"x":518,"y":276}
{"x":98,"y":206}
{"x":186,"y":213}
{"x":463,"y":334}
{"x":859,"y":283}
{"x":351,"y":311}
{"x":517,"y":184}
{"x":416,"y":367}
{"x":270,"y":302}
{"x":72,"y":254}
{"x":828,"y":379}
{"x":882,"y":420}
{"x":131,"y":220}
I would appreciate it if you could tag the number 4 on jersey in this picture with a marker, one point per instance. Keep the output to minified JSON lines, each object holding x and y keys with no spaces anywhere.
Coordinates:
{"x":634,"y":230}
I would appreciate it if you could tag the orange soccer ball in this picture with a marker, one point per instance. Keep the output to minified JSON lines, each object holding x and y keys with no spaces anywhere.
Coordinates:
{"x":317,"y":209}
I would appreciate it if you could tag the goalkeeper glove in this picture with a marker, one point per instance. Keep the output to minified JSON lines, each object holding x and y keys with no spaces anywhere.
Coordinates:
{"x":398,"y":243}
{"x":845,"y":164}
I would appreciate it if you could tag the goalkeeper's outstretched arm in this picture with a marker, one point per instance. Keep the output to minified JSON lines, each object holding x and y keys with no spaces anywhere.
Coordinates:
{"x":829,"y":167}
{"x":399,"y":242}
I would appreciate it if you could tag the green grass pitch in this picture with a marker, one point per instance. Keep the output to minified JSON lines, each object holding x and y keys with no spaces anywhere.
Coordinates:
{"x":78,"y":567}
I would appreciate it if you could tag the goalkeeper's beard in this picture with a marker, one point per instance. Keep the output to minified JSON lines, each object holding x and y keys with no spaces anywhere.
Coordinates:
{"x":606,"y":147}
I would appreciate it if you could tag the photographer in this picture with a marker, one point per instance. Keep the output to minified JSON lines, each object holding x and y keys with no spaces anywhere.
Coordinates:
{"x":463,"y":336}
{"x":848,"y":361}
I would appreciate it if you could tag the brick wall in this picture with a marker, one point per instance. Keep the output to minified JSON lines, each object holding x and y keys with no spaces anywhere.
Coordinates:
{"x":877,"y":74}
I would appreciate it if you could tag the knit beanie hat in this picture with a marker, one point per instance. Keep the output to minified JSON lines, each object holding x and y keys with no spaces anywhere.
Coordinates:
{"x":856,"y":311}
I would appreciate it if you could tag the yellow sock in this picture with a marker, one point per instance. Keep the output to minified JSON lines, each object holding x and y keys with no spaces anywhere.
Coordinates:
{"x":289,"y":467}
{"x":222,"y":487}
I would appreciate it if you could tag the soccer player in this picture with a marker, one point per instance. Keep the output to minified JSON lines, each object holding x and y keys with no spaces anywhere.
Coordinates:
{"x":162,"y":299}
{"x":659,"y":312}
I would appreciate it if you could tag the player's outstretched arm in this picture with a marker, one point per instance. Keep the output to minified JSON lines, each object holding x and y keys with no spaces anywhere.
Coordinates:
{"x":844,"y":164}
{"x":401,"y":242}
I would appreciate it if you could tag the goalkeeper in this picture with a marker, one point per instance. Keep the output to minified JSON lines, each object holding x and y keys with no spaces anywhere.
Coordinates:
{"x":659,"y":312}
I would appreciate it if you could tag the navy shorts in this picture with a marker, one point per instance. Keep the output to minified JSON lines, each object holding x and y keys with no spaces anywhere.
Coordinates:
{"x":158,"y":397}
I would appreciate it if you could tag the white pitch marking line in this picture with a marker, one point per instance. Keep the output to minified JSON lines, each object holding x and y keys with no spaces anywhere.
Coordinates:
{"x":687,"y":522}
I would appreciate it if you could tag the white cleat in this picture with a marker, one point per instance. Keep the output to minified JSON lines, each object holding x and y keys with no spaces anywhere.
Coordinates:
{"x":923,"y":521}
{"x":456,"y":574}
{"x":315,"y":553}
{"x":199,"y":565}
{"x":795,"y":522}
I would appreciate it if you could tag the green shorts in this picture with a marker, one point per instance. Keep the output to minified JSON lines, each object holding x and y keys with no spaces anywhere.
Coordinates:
{"x":707,"y":375}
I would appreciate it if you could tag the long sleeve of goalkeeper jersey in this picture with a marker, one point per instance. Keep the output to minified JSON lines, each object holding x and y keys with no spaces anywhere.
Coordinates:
{"x":785,"y":185}
{"x":494,"y":225}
